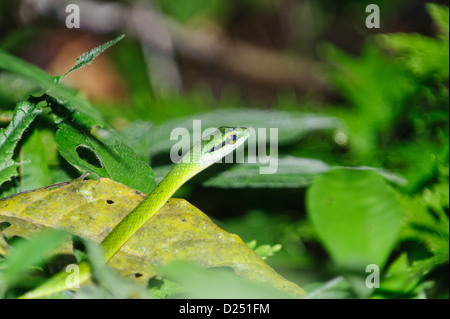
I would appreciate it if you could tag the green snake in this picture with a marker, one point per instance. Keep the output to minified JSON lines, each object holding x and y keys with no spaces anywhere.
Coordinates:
{"x":202,"y":155}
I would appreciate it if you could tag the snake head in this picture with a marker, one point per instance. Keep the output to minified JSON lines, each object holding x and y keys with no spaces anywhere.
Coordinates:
{"x":219,"y":144}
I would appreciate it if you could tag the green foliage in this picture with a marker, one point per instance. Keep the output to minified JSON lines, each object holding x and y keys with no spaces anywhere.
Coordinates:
{"x":216,"y":283}
{"x":388,"y":94}
{"x":81,"y":109}
{"x":24,"y":114}
{"x":186,"y":9}
{"x":26,"y":255}
{"x":264,"y":251}
{"x":362,"y":182}
{"x":357,"y":217}
{"x":398,"y":104}
{"x":424,"y":56}
{"x":440,"y":15}
{"x":292,"y":126}
{"x":376,"y":87}
{"x":114,"y":160}
{"x":336,"y":288}
{"x":428,"y":224}
{"x":105,"y":154}
{"x":291,"y":172}
{"x":36,"y":171}
{"x":109,"y":284}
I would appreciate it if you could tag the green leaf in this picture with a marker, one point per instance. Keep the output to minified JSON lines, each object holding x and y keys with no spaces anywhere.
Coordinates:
{"x":14,"y":88}
{"x":291,"y":126}
{"x":36,"y":170}
{"x":424,"y":266}
{"x":114,"y":160}
{"x":24,"y":114}
{"x":88,"y":57}
{"x":356,"y":215}
{"x":136,"y":135}
{"x":292,"y":172}
{"x":218,"y":283}
{"x":30,"y":253}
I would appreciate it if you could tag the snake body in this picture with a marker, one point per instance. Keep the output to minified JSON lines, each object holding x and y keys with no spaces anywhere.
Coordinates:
{"x":202,"y":155}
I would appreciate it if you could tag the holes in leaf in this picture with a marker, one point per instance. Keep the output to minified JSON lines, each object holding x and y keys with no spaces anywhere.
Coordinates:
{"x":138,"y":275}
{"x":88,"y":155}
{"x":4,"y":225}
{"x":109,"y":201}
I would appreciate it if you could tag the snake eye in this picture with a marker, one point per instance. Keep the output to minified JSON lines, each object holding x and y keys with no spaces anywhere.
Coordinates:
{"x":231,"y":138}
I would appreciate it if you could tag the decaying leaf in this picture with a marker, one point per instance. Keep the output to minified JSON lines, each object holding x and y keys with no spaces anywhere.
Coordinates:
{"x":91,"y":208}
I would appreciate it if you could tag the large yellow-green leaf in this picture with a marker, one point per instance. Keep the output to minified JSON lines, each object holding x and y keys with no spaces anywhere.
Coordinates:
{"x":91,"y":208}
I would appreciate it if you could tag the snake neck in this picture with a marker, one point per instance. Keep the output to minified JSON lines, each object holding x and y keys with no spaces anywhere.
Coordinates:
{"x":179,"y":175}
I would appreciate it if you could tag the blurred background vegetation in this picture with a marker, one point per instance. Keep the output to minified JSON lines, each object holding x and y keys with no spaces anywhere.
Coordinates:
{"x":346,"y":96}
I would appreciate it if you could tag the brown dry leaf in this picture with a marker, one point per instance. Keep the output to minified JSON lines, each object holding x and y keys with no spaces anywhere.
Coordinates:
{"x":91,"y":208}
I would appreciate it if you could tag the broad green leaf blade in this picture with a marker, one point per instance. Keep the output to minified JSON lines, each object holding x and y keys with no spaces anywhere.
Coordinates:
{"x":14,"y":88}
{"x":136,"y":135}
{"x":114,"y":160}
{"x":36,"y":170}
{"x":24,"y":114}
{"x":90,"y":209}
{"x":30,"y":253}
{"x":291,"y":172}
{"x":88,"y":57}
{"x":291,"y":125}
{"x":356,"y":215}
